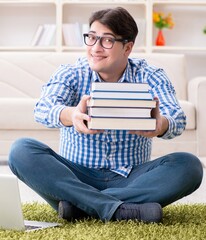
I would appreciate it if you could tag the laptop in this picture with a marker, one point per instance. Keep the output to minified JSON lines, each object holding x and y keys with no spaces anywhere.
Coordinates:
{"x":11,"y":215}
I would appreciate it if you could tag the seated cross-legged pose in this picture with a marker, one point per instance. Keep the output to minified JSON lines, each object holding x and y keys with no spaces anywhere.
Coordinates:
{"x":106,"y":174}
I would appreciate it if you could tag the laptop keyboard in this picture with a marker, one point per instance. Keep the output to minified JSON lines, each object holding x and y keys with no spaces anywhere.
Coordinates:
{"x":30,"y":227}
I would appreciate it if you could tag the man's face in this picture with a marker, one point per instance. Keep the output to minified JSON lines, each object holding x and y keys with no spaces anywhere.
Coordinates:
{"x":109,"y":63}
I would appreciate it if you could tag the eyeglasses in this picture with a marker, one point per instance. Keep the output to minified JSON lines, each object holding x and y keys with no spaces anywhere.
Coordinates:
{"x":105,"y":42}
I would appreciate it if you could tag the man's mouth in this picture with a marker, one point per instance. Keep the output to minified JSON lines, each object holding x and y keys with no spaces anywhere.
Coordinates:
{"x":97,"y":58}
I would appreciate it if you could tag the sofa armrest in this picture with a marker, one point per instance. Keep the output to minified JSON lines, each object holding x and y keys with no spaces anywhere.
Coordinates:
{"x":196,"y":95}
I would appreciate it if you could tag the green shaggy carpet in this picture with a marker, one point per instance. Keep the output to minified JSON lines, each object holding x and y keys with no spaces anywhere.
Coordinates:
{"x":185,"y":222}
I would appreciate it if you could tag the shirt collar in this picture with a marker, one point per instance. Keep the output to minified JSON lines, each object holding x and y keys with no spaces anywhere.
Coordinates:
{"x":126,"y":76}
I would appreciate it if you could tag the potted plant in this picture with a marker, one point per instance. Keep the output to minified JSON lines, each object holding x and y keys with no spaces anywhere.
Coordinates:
{"x":161,"y":21}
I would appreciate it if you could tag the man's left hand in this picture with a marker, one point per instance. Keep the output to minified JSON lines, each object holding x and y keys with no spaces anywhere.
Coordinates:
{"x":161,"y":124}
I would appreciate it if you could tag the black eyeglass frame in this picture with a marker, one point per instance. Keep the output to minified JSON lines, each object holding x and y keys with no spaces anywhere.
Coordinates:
{"x":99,"y":38}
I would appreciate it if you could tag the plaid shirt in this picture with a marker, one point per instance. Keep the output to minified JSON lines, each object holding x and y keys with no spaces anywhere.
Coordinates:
{"x":116,"y":150}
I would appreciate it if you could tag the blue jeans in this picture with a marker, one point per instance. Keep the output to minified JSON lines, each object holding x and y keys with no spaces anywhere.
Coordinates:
{"x":99,"y":192}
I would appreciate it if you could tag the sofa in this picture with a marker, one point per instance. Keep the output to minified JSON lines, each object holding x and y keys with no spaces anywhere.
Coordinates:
{"x":22,"y":75}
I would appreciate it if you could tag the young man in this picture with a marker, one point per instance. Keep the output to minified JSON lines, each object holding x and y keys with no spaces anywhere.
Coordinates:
{"x":106,"y":174}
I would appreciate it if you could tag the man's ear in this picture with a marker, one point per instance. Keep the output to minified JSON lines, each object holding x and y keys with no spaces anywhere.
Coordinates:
{"x":128,"y":48}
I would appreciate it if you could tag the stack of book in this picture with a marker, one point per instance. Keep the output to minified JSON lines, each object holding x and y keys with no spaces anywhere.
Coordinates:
{"x":121,"y":106}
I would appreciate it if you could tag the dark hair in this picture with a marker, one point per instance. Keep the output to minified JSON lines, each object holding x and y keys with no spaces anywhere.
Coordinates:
{"x":118,"y":20}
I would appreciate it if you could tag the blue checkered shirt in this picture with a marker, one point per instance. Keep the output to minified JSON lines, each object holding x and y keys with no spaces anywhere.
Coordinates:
{"x":116,"y":150}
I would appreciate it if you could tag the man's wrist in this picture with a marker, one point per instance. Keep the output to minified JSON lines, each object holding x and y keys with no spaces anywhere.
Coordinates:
{"x":65,"y":116}
{"x":165,"y":126}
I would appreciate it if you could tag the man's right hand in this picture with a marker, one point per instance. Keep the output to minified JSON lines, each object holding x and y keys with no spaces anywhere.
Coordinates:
{"x":77,"y":117}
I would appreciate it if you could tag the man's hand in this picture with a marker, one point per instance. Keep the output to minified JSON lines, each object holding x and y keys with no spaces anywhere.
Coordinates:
{"x":161,"y":124}
{"x":80,"y":118}
{"x":77,"y":117}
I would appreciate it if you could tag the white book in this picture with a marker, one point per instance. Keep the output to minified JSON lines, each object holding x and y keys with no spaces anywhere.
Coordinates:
{"x":37,"y":35}
{"x":72,"y":34}
{"x":66,"y":30}
{"x":121,"y":103}
{"x":122,"y":123}
{"x":48,"y":35}
{"x":43,"y":36}
{"x":119,"y":112}
{"x":78,"y":34}
{"x":120,"y":95}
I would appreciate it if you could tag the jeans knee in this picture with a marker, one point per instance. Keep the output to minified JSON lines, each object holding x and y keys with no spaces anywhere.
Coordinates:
{"x":19,"y":152}
{"x":192,"y":166}
{"x":16,"y":149}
